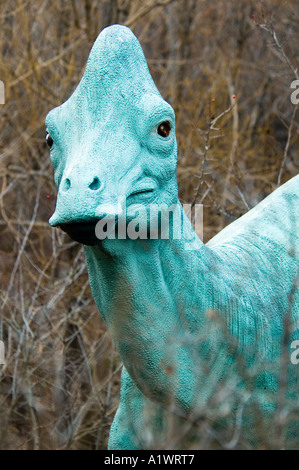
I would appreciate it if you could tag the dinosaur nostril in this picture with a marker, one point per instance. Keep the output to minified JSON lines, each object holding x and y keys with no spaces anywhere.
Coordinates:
{"x":95,"y":184}
{"x":66,"y":184}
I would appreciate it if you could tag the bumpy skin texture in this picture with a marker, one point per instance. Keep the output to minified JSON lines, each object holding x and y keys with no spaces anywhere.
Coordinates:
{"x":184,"y":321}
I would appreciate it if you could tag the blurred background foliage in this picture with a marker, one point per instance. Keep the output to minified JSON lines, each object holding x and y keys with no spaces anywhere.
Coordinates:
{"x":234,"y":60}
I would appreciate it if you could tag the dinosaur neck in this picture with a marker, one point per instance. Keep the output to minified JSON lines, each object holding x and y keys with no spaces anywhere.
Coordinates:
{"x":152,"y":294}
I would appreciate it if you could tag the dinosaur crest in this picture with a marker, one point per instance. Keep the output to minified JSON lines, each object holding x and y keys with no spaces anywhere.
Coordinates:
{"x":116,"y":72}
{"x":117,"y":66}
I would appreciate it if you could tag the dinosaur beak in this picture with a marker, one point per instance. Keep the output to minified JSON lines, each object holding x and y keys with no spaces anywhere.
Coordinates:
{"x":80,"y":224}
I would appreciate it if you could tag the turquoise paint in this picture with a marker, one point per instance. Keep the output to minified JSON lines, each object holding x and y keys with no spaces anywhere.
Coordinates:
{"x":186,"y":323}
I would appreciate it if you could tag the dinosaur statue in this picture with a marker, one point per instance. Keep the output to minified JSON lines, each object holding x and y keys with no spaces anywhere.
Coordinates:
{"x":205,"y":334}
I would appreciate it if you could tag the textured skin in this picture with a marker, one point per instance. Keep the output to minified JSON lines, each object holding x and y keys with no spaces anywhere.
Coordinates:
{"x":185,"y":323}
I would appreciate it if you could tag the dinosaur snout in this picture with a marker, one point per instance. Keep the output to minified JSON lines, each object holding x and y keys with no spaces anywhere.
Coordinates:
{"x":95,"y":184}
{"x":80,"y":193}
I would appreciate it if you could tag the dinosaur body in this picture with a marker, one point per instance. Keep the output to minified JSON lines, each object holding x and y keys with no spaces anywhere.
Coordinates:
{"x":187,"y":323}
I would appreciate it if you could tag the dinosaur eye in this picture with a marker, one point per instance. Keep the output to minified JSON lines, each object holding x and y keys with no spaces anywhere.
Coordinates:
{"x":164,"y":129}
{"x":49,"y":140}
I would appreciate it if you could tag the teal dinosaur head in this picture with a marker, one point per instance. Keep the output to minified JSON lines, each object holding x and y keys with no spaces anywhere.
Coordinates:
{"x":113,"y":139}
